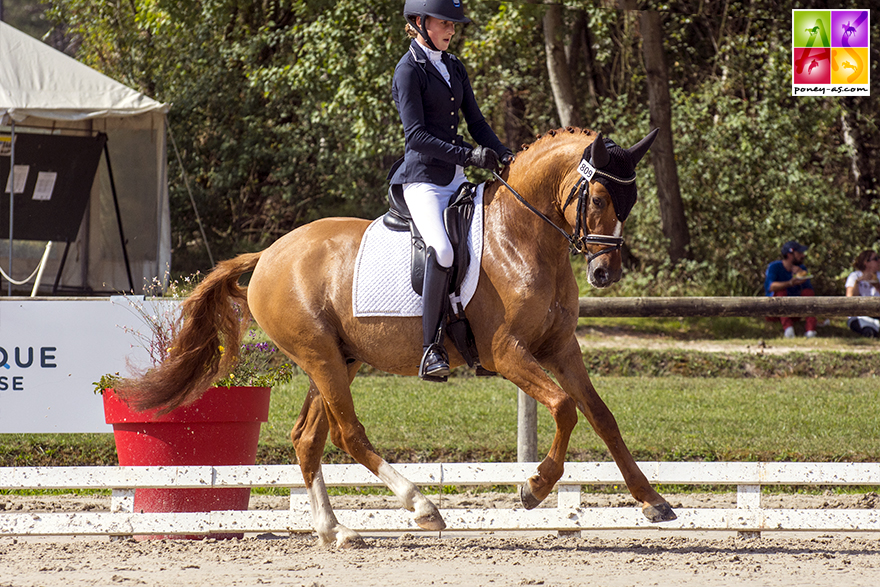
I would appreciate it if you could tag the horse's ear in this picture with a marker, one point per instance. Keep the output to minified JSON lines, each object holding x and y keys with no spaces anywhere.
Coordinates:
{"x":638,"y":150}
{"x":600,"y":154}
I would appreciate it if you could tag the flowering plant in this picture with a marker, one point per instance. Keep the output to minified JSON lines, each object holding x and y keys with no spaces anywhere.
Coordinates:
{"x":257,"y":366}
{"x":259,"y":363}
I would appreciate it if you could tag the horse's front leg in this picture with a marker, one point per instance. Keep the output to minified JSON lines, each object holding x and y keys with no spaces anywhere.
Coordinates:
{"x":568,"y":367}
{"x":524,"y":371}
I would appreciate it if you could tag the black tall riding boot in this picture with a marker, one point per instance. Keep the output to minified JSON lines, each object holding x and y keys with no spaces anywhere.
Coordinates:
{"x":435,"y":299}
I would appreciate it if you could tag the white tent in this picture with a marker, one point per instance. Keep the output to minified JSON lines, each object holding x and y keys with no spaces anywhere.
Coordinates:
{"x":42,"y":90}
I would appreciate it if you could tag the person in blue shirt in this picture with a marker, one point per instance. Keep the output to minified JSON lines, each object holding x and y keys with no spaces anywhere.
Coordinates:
{"x":430,"y":89}
{"x":789,"y":277}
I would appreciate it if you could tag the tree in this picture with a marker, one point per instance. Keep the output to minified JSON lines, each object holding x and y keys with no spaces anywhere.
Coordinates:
{"x":558,"y":69}
{"x":662,"y":152}
{"x":282,"y":112}
{"x":281,"y":109}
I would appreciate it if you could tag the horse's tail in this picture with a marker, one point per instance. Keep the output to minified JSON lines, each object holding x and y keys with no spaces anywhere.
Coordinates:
{"x":207,"y":346}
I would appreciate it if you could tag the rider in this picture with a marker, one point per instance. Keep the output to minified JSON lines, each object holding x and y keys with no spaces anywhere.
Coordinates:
{"x":430,"y":87}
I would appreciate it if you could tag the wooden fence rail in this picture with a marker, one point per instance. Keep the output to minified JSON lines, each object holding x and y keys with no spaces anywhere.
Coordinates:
{"x":568,"y":515}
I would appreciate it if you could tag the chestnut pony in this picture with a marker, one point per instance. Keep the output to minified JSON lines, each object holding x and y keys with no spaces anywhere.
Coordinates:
{"x":523,"y":314}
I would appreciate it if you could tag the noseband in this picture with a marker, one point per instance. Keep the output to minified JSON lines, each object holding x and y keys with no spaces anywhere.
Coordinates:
{"x":580,"y":239}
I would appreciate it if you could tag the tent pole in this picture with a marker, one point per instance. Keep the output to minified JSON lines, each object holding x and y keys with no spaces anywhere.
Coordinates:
{"x":11,"y":200}
{"x":189,"y":191}
{"x":118,"y":217}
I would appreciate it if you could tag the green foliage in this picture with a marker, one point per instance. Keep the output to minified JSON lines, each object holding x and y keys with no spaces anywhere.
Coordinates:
{"x":657,"y":363}
{"x":282,"y":113}
{"x":259,"y":363}
{"x":280,"y":110}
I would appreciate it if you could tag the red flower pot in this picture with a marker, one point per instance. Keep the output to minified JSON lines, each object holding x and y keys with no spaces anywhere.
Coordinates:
{"x":220,"y":428}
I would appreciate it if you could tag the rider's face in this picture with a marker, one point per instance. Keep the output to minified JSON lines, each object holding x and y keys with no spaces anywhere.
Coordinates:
{"x":440,"y":31}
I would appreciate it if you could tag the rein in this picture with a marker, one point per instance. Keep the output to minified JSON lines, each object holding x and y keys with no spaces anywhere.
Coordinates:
{"x":578,"y":242}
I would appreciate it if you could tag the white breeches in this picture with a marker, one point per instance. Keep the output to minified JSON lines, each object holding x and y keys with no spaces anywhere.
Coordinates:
{"x":426,"y":203}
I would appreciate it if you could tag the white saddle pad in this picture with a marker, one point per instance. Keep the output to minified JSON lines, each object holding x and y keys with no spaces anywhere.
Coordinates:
{"x":382,"y":285}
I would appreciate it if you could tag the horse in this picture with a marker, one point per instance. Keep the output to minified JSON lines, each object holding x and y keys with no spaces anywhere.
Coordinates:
{"x":523,"y":315}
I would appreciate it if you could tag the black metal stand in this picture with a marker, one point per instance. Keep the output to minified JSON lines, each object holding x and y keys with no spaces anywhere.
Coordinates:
{"x":118,"y":217}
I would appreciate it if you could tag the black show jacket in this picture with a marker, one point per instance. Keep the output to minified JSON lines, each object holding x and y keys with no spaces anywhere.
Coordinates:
{"x":429,"y":109}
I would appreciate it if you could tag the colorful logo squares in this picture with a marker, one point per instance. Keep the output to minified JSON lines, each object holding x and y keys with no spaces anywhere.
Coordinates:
{"x":830,"y":52}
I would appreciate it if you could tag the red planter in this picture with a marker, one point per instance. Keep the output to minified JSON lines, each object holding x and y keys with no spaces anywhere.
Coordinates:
{"x":220,"y":428}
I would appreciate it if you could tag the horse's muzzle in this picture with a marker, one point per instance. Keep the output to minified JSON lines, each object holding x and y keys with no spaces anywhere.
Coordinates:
{"x":602,"y":276}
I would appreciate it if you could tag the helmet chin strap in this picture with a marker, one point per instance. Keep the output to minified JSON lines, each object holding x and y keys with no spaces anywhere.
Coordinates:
{"x":424,"y":31}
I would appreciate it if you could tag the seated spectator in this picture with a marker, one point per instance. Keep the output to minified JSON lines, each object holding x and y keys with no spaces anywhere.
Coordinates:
{"x":864,"y":281}
{"x":789,"y":277}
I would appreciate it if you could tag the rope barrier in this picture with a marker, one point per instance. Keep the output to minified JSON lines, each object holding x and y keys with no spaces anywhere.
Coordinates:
{"x":23,"y":281}
{"x":37,"y":272}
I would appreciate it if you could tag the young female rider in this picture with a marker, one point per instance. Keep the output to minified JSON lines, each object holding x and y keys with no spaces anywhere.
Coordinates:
{"x":430,"y":87}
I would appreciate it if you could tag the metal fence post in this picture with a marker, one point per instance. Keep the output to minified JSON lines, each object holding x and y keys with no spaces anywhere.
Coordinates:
{"x":526,"y":428}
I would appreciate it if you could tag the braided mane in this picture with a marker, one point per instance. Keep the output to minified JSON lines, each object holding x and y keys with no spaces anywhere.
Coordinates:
{"x":558,"y":131}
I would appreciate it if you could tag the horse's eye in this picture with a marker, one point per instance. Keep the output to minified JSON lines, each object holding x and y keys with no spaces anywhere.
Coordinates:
{"x":598,"y":202}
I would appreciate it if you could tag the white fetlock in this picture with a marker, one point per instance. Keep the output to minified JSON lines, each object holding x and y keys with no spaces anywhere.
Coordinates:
{"x":330,"y":531}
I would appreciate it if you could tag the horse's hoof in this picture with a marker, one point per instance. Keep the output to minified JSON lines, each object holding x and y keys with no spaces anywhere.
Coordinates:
{"x":528,"y":498}
{"x":659,"y":513}
{"x":433,"y":522}
{"x":354,"y":541}
{"x":343,"y":538}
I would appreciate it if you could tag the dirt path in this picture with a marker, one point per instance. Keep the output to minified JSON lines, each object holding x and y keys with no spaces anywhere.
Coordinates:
{"x":603,"y":339}
{"x":607,"y":558}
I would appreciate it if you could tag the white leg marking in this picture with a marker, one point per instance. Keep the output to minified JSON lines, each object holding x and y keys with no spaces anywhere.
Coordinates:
{"x":326,"y":525}
{"x":427,"y":516}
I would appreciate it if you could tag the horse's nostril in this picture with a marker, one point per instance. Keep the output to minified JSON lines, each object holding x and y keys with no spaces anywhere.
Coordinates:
{"x":600,"y":275}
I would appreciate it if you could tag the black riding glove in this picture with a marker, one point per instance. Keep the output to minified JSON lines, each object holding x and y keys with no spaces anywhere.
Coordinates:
{"x":506,"y":157}
{"x":482,"y":157}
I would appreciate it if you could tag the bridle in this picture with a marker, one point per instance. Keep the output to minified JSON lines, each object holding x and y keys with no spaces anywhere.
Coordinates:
{"x":580,"y":239}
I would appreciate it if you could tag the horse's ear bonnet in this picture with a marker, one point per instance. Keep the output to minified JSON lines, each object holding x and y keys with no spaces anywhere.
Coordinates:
{"x":616,"y":169}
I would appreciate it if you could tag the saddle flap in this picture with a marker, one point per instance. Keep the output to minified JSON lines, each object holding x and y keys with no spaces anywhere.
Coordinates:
{"x":458,"y":217}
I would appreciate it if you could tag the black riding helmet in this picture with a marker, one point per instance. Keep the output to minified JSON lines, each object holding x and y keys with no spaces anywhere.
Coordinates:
{"x":451,"y":10}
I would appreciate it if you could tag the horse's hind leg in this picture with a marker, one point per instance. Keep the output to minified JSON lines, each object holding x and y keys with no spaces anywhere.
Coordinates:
{"x":574,"y":379}
{"x":348,"y":433}
{"x":309,"y":436}
{"x":333,"y":399}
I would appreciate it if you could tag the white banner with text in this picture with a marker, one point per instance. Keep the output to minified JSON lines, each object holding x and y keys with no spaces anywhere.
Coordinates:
{"x":53,"y":350}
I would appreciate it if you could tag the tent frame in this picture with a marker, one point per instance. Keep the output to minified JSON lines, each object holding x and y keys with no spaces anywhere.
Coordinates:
{"x":55,"y":286}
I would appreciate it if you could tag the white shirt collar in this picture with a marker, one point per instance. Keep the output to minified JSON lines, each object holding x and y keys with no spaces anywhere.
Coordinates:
{"x":434,"y":56}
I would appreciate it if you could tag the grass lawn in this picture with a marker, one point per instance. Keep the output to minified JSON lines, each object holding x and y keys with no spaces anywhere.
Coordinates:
{"x":672,"y":418}
{"x":669,"y":418}
{"x":662,"y":418}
